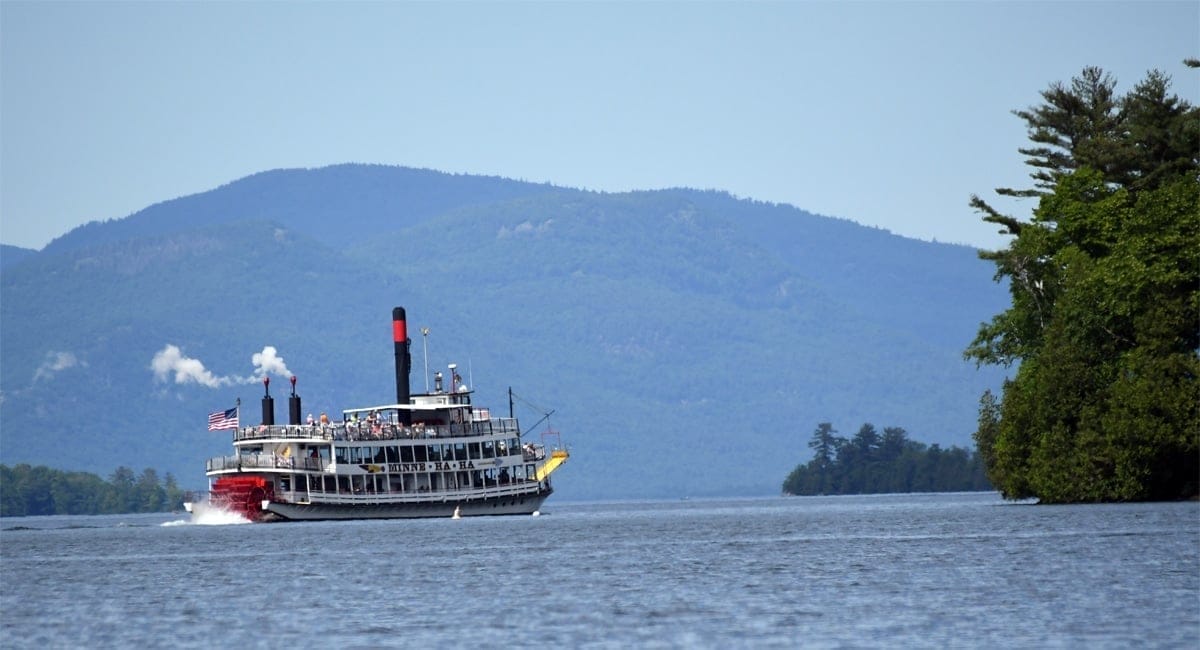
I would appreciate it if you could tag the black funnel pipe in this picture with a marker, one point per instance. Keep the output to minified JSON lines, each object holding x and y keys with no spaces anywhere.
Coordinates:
{"x":403,"y":362}
{"x":268,"y":403}
{"x":294,"y":405}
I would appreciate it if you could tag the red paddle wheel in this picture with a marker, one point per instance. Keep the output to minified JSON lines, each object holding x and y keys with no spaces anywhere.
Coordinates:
{"x":242,"y":494}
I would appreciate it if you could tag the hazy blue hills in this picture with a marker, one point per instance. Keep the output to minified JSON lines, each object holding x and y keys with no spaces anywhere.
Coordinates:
{"x":13,"y":254}
{"x":689,"y":341}
{"x":338,"y":205}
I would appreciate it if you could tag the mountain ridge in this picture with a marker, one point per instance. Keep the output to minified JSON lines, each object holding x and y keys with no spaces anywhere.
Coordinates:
{"x":689,"y":340}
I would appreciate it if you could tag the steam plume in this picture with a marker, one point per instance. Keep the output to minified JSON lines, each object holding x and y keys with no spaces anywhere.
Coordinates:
{"x":170,"y":360}
{"x":268,"y":362}
{"x":170,"y":364}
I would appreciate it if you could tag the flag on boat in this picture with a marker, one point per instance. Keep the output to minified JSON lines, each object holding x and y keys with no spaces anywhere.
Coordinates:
{"x":223,"y":420}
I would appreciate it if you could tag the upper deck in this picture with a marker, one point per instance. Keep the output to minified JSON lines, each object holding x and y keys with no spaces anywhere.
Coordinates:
{"x":376,"y":430}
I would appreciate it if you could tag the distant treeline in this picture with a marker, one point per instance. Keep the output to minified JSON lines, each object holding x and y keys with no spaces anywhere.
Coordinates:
{"x":870,"y":463}
{"x":27,"y":490}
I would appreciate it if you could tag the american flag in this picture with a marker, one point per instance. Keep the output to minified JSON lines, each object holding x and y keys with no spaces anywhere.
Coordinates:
{"x":223,"y":420}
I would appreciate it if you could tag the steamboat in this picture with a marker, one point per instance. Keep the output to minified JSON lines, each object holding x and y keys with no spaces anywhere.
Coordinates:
{"x":427,"y":455}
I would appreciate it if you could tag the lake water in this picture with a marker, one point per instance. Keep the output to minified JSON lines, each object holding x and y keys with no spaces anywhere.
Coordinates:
{"x":958,"y":570}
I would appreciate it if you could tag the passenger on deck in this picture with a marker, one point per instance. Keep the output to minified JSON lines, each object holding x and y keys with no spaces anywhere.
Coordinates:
{"x":324,"y":419}
{"x":310,"y":420}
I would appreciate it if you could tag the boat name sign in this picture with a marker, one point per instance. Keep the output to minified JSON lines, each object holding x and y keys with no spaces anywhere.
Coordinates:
{"x":433,"y":466}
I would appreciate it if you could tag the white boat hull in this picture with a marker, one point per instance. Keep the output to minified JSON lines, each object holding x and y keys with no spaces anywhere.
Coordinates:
{"x":506,"y":505}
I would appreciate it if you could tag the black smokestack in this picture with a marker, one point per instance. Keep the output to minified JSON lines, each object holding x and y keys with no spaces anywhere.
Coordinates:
{"x":403,"y":361}
{"x":294,"y":405}
{"x":268,"y":403}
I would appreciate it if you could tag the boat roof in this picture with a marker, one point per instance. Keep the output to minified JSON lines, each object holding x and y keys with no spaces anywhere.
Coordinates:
{"x":407,"y":407}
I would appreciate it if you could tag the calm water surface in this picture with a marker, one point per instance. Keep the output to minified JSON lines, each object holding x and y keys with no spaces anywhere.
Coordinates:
{"x":958,"y":570}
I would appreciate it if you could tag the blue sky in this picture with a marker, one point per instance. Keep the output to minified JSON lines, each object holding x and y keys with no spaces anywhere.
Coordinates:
{"x":890,"y":114}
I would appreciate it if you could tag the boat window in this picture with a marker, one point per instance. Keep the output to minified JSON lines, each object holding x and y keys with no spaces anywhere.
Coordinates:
{"x":343,"y":483}
{"x":378,"y":458}
{"x":447,"y":452}
{"x":341,"y":455}
{"x":406,"y":453}
{"x":514,"y":446}
{"x":475,"y":453}
{"x":488,"y":451}
{"x":435,"y":453}
{"x":421,"y":453}
{"x":355,"y":454}
{"x":393,"y":455}
{"x":460,"y":451}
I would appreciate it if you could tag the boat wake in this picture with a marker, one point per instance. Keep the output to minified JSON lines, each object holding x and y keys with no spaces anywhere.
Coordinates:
{"x":206,"y":514}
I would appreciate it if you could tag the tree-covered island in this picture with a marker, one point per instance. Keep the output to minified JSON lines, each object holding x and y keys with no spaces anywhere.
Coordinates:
{"x":870,"y":463}
{"x":1105,"y":284}
{"x":36,"y":490}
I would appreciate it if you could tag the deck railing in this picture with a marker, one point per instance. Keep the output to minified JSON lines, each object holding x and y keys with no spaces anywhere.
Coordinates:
{"x":238,"y":462}
{"x":263,"y":461}
{"x":379,"y":431}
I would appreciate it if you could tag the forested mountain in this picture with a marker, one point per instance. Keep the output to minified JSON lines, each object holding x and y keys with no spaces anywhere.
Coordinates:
{"x":684,"y":338}
{"x":13,"y":254}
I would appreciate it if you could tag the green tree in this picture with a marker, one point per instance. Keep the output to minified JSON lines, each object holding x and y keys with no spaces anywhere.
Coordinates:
{"x":817,"y":476}
{"x":173,"y":493}
{"x":892,"y":444}
{"x":824,"y":444}
{"x":1105,"y":285}
{"x":121,"y":496}
{"x":149,"y":496}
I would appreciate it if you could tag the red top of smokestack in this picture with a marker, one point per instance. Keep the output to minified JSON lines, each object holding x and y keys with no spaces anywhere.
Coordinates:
{"x":399,"y":325}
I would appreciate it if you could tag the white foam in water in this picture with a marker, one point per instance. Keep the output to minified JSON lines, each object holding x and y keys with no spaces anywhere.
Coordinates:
{"x":206,"y":514}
